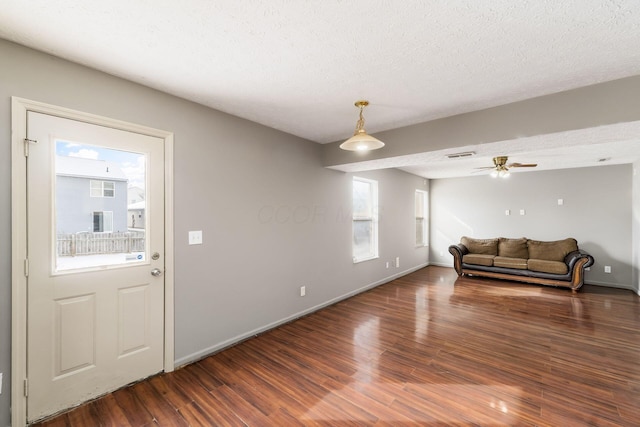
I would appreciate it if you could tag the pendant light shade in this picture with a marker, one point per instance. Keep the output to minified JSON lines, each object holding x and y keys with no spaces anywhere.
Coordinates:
{"x":361,"y":141}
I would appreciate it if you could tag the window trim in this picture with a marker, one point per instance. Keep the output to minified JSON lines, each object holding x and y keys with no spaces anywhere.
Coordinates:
{"x":373,"y":218}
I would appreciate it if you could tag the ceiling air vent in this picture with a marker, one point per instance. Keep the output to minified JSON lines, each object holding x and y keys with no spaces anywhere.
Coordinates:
{"x":464,"y":154}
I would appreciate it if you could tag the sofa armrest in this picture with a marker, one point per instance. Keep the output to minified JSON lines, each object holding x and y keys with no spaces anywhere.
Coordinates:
{"x":458,"y":251}
{"x":574,"y":256}
{"x":577,"y":261}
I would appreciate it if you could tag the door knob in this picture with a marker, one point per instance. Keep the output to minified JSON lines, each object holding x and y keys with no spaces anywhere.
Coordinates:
{"x":156,"y":272}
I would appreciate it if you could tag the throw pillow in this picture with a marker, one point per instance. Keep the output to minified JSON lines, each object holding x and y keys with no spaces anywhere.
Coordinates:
{"x":480,"y":246}
{"x":551,"y":251}
{"x":513,"y":248}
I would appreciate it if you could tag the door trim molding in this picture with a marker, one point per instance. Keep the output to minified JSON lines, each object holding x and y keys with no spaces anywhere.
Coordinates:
{"x":19,"y":108}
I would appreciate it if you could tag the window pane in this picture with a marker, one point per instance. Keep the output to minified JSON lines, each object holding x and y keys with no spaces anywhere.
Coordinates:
{"x":98,"y":222}
{"x":419,"y":204}
{"x":362,"y":239}
{"x":96,"y":188}
{"x":420,"y":231}
{"x":422,"y":223}
{"x":365,"y":221}
{"x":362,"y":203}
{"x":109,"y":188}
{"x":107,"y":222}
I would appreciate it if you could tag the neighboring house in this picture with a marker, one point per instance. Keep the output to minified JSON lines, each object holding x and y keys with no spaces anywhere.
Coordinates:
{"x":91,"y":196}
{"x":136,"y":214}
{"x":136,"y":207}
{"x":135,"y":194}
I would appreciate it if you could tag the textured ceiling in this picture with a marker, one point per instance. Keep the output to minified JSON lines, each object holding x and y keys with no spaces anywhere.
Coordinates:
{"x":298,"y":66}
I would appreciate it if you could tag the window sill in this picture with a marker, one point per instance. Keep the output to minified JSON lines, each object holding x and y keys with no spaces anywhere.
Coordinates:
{"x":358,"y":261}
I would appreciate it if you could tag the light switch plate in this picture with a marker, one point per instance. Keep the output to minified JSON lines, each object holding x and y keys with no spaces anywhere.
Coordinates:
{"x":0,"y":382}
{"x":195,"y":237}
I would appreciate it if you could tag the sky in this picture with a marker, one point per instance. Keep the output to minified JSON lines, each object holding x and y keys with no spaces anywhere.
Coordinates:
{"x":132,"y":164}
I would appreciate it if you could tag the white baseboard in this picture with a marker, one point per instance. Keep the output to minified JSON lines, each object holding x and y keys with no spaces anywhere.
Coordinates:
{"x":442,"y":264}
{"x":239,"y":338}
{"x":611,"y":285}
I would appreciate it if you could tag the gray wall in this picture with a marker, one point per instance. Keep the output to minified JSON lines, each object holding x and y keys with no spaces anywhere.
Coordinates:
{"x":273,"y":218}
{"x":597,"y":211}
{"x":75,"y":206}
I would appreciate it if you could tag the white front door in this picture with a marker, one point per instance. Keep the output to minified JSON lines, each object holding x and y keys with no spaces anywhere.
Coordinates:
{"x":95,"y":243}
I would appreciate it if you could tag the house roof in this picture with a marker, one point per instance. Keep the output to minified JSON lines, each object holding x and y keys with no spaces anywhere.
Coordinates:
{"x":89,"y":168}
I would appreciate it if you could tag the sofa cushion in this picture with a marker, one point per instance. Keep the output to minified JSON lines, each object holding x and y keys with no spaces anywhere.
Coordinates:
{"x":501,"y":261}
{"x":480,"y":246}
{"x":546,"y":266}
{"x":513,"y":248}
{"x":551,"y":251}
{"x":478,"y":259}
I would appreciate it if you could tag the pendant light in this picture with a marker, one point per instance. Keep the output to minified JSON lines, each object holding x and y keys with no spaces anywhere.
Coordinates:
{"x":361,"y":141}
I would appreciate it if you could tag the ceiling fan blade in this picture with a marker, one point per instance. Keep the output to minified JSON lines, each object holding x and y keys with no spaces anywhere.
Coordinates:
{"x":522,"y":165}
{"x":486,"y":167}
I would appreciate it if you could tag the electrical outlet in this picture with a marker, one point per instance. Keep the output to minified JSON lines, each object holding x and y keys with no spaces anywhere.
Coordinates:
{"x":0,"y":382}
{"x":387,"y":264}
{"x":397,"y":262}
{"x":607,"y":269}
{"x":195,"y":237}
{"x":507,"y":212}
{"x":522,"y":212}
{"x":303,"y":291}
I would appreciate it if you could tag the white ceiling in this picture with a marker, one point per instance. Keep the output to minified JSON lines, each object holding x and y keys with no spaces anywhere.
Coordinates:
{"x":298,"y":66}
{"x":599,"y":146}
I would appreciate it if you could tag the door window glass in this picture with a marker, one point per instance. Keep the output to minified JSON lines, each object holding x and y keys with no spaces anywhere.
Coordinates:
{"x":100,"y":207}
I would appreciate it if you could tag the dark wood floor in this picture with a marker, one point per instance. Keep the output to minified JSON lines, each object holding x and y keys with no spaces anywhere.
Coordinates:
{"x":428,"y":349}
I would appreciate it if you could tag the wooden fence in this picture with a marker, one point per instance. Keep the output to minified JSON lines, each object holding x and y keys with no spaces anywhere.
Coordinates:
{"x":100,"y":243}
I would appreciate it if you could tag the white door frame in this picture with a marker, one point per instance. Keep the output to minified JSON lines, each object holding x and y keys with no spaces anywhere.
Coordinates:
{"x":19,"y":108}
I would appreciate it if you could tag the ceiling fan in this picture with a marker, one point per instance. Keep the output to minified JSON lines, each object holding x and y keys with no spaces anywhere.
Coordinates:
{"x":501,"y":168}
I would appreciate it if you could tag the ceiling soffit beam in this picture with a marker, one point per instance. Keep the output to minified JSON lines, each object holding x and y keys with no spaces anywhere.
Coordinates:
{"x":608,"y":103}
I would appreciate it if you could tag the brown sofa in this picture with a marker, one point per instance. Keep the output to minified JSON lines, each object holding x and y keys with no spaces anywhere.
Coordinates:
{"x":557,"y":263}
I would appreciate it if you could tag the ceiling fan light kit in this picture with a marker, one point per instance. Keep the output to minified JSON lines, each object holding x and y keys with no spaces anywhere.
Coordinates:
{"x":361,"y":141}
{"x":502,"y":173}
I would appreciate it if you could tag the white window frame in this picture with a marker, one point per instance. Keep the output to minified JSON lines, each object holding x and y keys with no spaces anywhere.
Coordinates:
{"x":372,"y":217}
{"x":107,"y":221}
{"x":97,"y":188}
{"x":422,"y":214}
